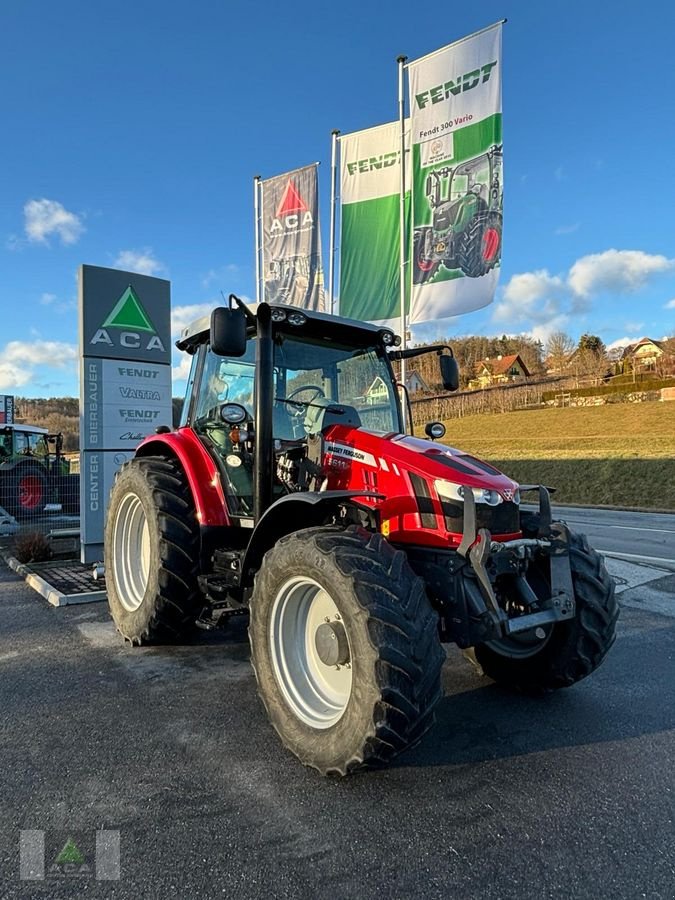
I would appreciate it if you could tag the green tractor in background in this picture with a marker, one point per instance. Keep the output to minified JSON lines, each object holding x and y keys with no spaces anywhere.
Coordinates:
{"x":466,"y":227}
{"x":34,"y":472}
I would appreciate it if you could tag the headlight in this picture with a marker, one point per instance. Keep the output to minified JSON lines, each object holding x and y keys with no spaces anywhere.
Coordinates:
{"x":278,"y":315}
{"x":296,"y":318}
{"x":451,"y":491}
{"x":387,"y":338}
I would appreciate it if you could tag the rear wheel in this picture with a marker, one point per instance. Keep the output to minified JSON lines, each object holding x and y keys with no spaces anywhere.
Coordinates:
{"x":345,"y":647}
{"x":151,"y":552}
{"x":481,"y":244}
{"x":424,"y":268}
{"x":559,"y":655}
{"x":25,"y":491}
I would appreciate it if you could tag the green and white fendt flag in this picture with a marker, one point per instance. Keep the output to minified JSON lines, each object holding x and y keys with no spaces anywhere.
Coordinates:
{"x":291,"y":240}
{"x":456,"y":134}
{"x":370,"y":187}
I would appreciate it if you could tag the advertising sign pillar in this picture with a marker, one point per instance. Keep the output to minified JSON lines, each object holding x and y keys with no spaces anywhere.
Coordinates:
{"x":125,"y":382}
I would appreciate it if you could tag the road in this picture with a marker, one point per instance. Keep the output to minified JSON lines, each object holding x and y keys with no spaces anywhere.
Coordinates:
{"x":570,"y":795}
{"x":647,"y":535}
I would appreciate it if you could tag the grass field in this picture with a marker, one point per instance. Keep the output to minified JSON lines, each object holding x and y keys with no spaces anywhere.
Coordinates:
{"x":619,"y":454}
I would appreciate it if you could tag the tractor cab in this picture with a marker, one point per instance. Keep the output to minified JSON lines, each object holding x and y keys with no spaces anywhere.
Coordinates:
{"x":267,"y":385}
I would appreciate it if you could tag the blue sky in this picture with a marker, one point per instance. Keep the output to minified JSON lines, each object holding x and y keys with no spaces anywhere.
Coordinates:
{"x":132,"y":131}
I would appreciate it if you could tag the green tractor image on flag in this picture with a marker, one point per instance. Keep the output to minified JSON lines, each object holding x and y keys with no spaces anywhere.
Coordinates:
{"x":466,"y":225}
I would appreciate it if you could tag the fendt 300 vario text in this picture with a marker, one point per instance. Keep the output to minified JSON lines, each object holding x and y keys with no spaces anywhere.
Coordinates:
{"x":291,"y":493}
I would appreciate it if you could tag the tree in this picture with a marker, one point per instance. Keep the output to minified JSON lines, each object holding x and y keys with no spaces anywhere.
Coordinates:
{"x":558,"y":350}
{"x":593,"y":343}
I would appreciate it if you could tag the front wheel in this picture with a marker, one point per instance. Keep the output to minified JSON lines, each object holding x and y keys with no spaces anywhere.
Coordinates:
{"x":151,"y":552}
{"x":345,"y":648}
{"x":557,"y":656}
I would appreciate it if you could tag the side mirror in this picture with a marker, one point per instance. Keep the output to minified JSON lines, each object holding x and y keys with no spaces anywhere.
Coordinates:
{"x":228,"y":331}
{"x":449,"y":372}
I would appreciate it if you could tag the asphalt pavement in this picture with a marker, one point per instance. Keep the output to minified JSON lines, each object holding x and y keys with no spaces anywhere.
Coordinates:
{"x":570,"y":795}
{"x":643,"y":535}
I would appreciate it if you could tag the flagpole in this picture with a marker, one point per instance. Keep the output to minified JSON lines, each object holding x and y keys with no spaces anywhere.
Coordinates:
{"x":256,"y":210}
{"x":333,"y":202}
{"x":404,"y":324}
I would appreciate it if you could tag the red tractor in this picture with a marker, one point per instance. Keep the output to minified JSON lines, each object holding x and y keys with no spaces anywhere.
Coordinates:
{"x":290,"y":492}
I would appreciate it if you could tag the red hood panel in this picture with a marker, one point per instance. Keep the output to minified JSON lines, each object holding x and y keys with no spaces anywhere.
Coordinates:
{"x":410,"y":454}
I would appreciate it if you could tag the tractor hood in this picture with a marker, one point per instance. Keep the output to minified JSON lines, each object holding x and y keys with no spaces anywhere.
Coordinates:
{"x":398,"y":454}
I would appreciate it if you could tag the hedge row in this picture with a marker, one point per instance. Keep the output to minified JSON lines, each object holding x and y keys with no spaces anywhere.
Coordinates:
{"x":603,"y":390}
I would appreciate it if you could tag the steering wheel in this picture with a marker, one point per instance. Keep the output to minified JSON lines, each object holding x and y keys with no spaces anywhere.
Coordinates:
{"x":299,"y":406}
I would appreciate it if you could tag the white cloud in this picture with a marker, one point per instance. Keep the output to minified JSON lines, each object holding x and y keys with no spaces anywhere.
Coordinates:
{"x":141,"y":261}
{"x":670,"y":304}
{"x":182,"y":370}
{"x":182,"y":316}
{"x":634,"y":326}
{"x":19,"y":359}
{"x":43,"y":218}
{"x":621,"y":271}
{"x":620,"y":343}
{"x":544,"y":331}
{"x":35,"y":353}
{"x":47,"y":299}
{"x":13,"y":376}
{"x":530,"y":295}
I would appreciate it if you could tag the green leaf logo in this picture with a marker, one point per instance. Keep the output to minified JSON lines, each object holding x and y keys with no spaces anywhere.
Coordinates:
{"x":70,"y":854}
{"x":128,"y":313}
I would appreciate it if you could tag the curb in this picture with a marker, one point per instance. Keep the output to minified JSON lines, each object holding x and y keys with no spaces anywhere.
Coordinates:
{"x":51,"y":595}
{"x":651,"y":561}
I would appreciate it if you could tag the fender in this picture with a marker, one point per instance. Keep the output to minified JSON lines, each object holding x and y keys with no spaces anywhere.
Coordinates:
{"x":293,"y":512}
{"x":200,"y":469}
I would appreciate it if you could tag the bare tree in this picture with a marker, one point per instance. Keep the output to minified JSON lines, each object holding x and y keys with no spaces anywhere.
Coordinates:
{"x":558,"y":350}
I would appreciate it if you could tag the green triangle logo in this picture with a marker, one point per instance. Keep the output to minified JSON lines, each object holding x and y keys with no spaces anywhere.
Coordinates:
{"x":128,"y":313}
{"x":70,"y":854}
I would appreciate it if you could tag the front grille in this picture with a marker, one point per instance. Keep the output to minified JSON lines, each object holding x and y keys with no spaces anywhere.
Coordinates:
{"x":501,"y":519}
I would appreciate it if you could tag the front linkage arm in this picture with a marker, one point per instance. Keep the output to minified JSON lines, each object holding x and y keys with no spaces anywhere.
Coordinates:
{"x":478,"y":548}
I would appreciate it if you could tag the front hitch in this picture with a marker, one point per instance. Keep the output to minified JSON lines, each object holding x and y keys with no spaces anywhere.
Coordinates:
{"x":479,"y":550}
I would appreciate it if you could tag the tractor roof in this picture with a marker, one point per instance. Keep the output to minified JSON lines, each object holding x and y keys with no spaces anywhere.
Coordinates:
{"x":31,"y":429}
{"x":329,"y":326}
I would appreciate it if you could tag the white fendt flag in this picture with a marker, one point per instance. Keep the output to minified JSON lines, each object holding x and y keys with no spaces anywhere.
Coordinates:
{"x":370,"y":179}
{"x":291,"y":240}
{"x":456,"y":135}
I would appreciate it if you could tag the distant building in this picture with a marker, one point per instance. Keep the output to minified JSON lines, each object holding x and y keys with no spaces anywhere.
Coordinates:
{"x":499,"y":370}
{"x":415,"y":383}
{"x":645,"y":354}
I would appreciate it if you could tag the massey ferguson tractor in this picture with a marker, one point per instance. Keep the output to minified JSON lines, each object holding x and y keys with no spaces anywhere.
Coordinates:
{"x":466,"y":226}
{"x":291,"y":493}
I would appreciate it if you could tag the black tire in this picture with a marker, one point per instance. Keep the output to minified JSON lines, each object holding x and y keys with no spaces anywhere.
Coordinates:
{"x":16,"y":499}
{"x":165,"y":592}
{"x":424,"y":269}
{"x":573,"y":649}
{"x":394,"y":649}
{"x":480,"y":246}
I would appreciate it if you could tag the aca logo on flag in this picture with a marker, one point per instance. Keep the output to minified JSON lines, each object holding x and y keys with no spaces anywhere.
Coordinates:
{"x":292,"y":213}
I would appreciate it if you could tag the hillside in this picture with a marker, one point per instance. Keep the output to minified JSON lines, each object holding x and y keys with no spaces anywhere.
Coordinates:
{"x":621,"y":454}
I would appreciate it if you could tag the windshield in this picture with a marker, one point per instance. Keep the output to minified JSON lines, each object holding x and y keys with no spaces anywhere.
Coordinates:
{"x":314,"y":371}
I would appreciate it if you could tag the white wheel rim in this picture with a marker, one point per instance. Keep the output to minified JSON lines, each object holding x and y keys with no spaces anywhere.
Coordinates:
{"x":317,"y":693}
{"x":131,"y":548}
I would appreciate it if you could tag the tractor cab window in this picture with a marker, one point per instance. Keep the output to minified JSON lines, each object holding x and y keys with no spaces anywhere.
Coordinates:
{"x":312,"y":374}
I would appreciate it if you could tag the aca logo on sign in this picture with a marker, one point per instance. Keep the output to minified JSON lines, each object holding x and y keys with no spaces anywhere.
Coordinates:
{"x":292,"y":214}
{"x":136,"y":331}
